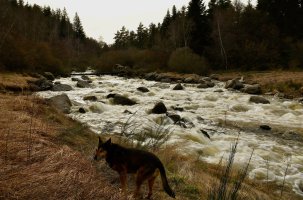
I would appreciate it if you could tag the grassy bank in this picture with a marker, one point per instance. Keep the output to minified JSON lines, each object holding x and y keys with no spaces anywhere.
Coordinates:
{"x":287,"y":82}
{"x":46,"y":155}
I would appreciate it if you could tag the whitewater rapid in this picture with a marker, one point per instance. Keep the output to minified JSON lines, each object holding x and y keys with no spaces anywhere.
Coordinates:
{"x":218,"y":111}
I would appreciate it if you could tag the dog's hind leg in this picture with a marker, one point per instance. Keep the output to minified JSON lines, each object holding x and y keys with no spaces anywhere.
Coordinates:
{"x":151,"y":182}
{"x":143,"y":174}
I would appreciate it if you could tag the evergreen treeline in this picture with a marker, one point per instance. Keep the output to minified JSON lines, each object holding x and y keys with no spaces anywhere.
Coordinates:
{"x":39,"y":39}
{"x":226,"y":35}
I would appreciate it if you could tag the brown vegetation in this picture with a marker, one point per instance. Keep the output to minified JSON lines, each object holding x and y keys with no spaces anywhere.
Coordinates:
{"x":14,"y":82}
{"x":287,"y":82}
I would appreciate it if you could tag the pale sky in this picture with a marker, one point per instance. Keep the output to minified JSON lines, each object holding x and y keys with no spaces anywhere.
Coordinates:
{"x":105,"y":17}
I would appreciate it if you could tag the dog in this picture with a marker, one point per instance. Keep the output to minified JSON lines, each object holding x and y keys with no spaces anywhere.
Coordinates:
{"x":144,"y":164}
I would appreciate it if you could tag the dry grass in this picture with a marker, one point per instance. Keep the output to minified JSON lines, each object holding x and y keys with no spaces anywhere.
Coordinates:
{"x":287,"y":82}
{"x":14,"y":82}
{"x":35,"y":163}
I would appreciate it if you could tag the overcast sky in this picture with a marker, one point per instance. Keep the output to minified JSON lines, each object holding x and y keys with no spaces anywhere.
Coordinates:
{"x":105,"y":17}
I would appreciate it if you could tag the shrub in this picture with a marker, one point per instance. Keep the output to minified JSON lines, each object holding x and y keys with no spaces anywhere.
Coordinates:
{"x":184,"y":60}
{"x":140,"y":60}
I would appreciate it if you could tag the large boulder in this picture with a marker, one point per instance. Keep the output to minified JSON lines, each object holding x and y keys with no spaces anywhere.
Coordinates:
{"x":258,"y":99}
{"x":41,"y":84}
{"x":62,"y":87}
{"x":234,"y":84}
{"x":159,"y":108}
{"x":178,"y":87}
{"x":252,"y":89}
{"x":83,"y":84}
{"x":61,"y":103}
{"x":49,"y":76}
{"x":121,"y":100}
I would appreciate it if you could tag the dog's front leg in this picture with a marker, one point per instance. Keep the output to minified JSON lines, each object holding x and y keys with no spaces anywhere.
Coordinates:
{"x":123,"y":180}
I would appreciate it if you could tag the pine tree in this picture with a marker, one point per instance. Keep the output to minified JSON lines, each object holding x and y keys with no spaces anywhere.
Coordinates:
{"x":200,"y":33}
{"x":165,"y":24}
{"x":174,"y":13}
{"x":122,"y":38}
{"x":64,"y":25}
{"x":78,"y":28}
{"x":142,"y":36}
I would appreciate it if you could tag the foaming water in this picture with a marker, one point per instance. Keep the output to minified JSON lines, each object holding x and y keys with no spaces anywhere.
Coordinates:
{"x":206,"y":110}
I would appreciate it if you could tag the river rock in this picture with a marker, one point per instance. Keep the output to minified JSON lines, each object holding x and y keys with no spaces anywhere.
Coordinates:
{"x":215,"y":76}
{"x":61,"y":103}
{"x":301,"y":90}
{"x":176,"y":118}
{"x":83,"y":84}
{"x":265,"y":127}
{"x":111,"y":95}
{"x":143,"y":89}
{"x":234,"y":84}
{"x":90,"y":98}
{"x":121,"y":100}
{"x":178,"y":87}
{"x":75,"y":79}
{"x":85,"y":78}
{"x":252,"y":89}
{"x":191,"y":79}
{"x":150,"y":76}
{"x":62,"y":87}
{"x":202,"y":85}
{"x":258,"y":99}
{"x":206,"y":84}
{"x":49,"y":76}
{"x":82,"y":110}
{"x":42,"y":84}
{"x":159,"y":108}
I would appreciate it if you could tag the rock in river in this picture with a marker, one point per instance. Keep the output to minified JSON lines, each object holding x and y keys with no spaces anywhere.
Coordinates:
{"x":61,"y":103}
{"x":143,"y":89}
{"x":159,"y":108}
{"x":258,"y":99}
{"x":62,"y":87}
{"x":121,"y":100}
{"x":178,"y":87}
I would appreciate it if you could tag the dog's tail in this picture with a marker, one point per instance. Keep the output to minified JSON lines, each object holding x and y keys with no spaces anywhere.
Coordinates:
{"x":166,"y":187}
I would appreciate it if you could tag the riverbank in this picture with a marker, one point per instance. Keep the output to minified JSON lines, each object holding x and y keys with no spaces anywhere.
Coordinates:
{"x":288,"y":84}
{"x":46,"y":154}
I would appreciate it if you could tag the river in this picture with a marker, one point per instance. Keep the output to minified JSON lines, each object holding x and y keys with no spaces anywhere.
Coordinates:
{"x":223,"y":114}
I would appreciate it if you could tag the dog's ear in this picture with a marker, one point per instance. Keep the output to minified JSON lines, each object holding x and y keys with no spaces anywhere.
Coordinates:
{"x":109,"y":141}
{"x":100,"y":141}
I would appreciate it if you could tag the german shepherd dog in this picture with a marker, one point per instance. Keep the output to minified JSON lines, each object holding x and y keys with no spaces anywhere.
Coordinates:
{"x":144,"y":164}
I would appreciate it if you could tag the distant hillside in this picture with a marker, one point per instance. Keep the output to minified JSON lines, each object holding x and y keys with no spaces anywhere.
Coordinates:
{"x":38,"y":39}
